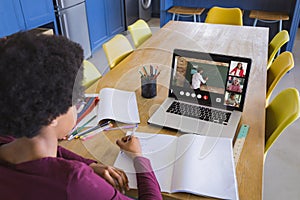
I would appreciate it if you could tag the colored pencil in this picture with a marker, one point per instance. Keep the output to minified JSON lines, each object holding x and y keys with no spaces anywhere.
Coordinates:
{"x":92,"y":134}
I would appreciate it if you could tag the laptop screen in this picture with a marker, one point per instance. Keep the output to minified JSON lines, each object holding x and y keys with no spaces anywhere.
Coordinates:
{"x":213,"y":80}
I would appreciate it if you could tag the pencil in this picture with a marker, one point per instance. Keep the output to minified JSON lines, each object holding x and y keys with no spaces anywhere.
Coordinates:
{"x":151,"y":70}
{"x":141,"y":73}
{"x":91,"y":129}
{"x":83,"y":125}
{"x":92,"y":134}
{"x":145,"y":71}
{"x":155,"y":76}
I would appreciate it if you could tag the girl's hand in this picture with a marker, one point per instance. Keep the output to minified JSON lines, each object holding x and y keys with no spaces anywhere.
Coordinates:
{"x":116,"y":177}
{"x":130,"y":145}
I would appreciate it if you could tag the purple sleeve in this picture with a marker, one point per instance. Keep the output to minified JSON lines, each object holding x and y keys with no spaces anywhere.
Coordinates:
{"x":148,"y":187}
{"x":85,"y":184}
{"x":69,"y":155}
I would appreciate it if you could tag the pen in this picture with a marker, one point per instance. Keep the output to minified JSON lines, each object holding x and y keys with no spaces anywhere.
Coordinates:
{"x":92,"y":134}
{"x":90,"y":130}
{"x":132,"y":133}
{"x":83,"y":125}
{"x":120,"y":127}
{"x":129,"y":136}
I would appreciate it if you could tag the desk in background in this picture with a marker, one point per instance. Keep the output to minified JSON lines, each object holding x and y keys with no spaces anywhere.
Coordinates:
{"x":240,"y":41}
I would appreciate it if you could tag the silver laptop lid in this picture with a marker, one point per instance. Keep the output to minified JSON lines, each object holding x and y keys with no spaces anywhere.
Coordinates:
{"x":213,"y":80}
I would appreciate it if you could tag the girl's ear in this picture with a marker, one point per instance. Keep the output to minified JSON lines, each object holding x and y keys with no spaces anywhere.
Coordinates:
{"x":54,"y":122}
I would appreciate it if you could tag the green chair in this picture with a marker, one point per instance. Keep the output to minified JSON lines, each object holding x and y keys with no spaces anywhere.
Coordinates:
{"x":281,"y":65}
{"x":116,"y":49}
{"x":230,"y":16}
{"x":139,"y":32}
{"x":276,"y":43}
{"x":281,"y":112}
{"x":90,"y":74}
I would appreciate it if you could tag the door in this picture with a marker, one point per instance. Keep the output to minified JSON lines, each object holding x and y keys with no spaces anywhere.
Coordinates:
{"x":37,"y":12}
{"x":116,"y":22}
{"x":97,"y":22}
{"x":11,"y":17}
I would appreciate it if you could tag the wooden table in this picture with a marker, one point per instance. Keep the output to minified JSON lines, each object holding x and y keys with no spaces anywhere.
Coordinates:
{"x":242,"y":41}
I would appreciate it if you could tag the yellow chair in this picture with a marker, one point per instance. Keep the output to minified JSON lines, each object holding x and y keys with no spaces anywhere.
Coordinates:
{"x":281,"y":112}
{"x":281,"y":65}
{"x":116,"y":49}
{"x":230,"y":16}
{"x":276,"y":43}
{"x":90,"y":74}
{"x":139,"y":32}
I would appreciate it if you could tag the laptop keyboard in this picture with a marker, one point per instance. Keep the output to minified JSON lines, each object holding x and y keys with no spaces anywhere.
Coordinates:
{"x":199,"y":112}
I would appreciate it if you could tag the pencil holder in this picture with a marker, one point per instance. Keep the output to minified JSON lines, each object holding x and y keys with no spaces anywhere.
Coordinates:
{"x":148,"y":87}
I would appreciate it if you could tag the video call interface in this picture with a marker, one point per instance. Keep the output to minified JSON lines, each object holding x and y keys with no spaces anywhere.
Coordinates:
{"x":210,"y":82}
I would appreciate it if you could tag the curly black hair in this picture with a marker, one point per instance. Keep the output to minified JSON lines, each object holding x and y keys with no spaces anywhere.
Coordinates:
{"x":37,"y":78}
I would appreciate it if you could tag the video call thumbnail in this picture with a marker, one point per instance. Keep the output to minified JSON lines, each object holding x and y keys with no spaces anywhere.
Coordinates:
{"x":238,"y":68}
{"x":232,"y":99}
{"x":235,"y":84}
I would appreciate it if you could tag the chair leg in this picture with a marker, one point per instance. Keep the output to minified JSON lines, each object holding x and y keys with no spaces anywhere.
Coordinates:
{"x":280,"y":25}
{"x":280,"y":28}
{"x":255,"y":22}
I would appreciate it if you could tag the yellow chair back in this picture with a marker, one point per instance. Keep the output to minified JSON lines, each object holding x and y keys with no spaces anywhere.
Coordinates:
{"x":139,"y":32}
{"x":116,"y":49}
{"x":230,"y":16}
{"x":276,"y":43}
{"x":281,"y":65}
{"x":90,"y":74}
{"x":281,"y":112}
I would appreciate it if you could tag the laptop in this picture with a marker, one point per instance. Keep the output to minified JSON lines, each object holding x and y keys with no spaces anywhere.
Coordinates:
{"x":206,"y":94}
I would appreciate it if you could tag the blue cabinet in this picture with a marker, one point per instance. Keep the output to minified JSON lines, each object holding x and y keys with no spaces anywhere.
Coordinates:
{"x":115,"y":16}
{"x":97,"y":22}
{"x":11,"y":18}
{"x":105,"y":19}
{"x":17,"y":15}
{"x":37,"y":12}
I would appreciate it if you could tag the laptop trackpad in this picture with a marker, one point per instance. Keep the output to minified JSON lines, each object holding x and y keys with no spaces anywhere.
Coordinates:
{"x":172,"y":121}
{"x":191,"y":125}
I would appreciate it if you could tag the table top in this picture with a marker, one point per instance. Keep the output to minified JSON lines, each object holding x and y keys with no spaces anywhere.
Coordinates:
{"x":242,"y":41}
{"x":186,"y":10}
{"x":267,"y":15}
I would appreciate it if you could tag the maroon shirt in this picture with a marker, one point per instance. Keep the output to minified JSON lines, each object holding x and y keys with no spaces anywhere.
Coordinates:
{"x":68,"y":176}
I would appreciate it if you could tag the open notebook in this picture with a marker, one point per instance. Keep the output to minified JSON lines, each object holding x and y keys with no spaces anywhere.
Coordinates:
{"x":190,"y":163}
{"x":114,"y":104}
